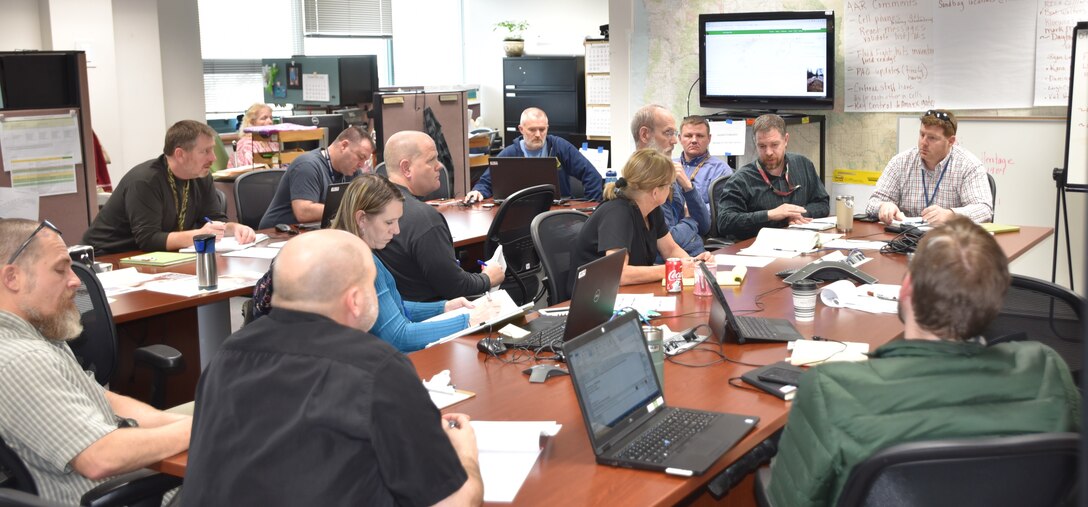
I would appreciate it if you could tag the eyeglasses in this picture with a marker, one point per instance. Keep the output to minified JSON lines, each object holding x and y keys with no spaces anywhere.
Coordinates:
{"x":44,"y":224}
{"x":671,"y":133}
{"x":940,"y":115}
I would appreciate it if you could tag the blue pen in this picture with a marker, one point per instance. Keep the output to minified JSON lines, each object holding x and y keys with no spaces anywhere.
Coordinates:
{"x":481,"y":263}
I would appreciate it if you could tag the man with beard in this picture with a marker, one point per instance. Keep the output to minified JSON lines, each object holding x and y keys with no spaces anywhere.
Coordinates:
{"x":535,"y":142}
{"x":162,"y":203}
{"x":935,"y":181}
{"x":69,"y":431}
{"x":686,"y":215}
{"x":421,"y":257}
{"x":940,"y":382}
{"x":777,"y":190}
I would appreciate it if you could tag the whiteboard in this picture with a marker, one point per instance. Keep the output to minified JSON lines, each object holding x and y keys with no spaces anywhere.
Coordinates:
{"x":1077,"y":157}
{"x":1021,"y":154}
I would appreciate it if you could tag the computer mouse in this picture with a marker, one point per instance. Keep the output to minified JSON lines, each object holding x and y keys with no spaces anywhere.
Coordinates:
{"x":491,"y":346}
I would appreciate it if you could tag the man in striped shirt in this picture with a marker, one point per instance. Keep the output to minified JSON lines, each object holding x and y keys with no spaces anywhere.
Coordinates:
{"x":69,"y":431}
{"x":934,"y":181}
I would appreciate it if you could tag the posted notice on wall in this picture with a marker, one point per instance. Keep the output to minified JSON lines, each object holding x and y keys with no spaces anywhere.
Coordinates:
{"x":727,"y":137}
{"x":41,"y":152}
{"x":315,"y":87}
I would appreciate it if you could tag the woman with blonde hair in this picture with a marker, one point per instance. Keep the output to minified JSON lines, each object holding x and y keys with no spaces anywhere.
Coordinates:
{"x":258,"y":115}
{"x":371,"y":209}
{"x":631,"y":218}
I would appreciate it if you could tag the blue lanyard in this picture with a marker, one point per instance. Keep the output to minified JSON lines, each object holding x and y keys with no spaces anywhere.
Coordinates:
{"x":930,"y":198}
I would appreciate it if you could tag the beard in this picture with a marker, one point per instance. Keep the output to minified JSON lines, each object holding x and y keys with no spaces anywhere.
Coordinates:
{"x":64,"y":326}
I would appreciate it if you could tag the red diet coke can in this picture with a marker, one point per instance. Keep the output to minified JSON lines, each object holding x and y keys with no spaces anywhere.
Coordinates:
{"x":674,"y":275}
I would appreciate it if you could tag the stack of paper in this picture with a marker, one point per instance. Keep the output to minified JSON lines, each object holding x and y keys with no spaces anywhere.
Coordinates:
{"x":508,"y":451}
{"x":442,"y":391}
{"x":782,"y":243}
{"x":230,"y":244}
{"x":817,"y":224}
{"x":809,"y":352}
{"x":871,"y":298}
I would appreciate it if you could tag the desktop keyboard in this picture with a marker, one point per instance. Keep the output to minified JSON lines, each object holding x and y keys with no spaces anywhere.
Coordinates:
{"x":548,"y":338}
{"x":654,"y":445}
{"x":754,"y":327}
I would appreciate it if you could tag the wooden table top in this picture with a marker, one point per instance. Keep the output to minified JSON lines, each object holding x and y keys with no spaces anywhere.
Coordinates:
{"x":469,"y":224}
{"x":566,"y":472}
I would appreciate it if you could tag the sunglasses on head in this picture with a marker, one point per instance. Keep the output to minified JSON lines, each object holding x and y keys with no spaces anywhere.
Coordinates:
{"x":43,"y":225}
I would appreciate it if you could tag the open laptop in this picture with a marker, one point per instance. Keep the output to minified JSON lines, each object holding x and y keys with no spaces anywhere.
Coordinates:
{"x":510,"y":174}
{"x":623,"y":405}
{"x":333,"y":197}
{"x":591,"y":304}
{"x":725,"y":325}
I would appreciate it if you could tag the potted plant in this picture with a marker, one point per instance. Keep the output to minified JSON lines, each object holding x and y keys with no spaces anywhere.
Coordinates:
{"x":513,"y":43}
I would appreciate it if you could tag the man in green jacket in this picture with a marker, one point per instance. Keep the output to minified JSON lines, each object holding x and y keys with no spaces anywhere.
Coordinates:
{"x":938,"y":383}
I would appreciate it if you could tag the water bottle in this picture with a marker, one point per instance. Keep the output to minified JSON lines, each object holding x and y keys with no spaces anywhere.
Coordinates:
{"x":207,"y":273}
{"x":609,"y":176}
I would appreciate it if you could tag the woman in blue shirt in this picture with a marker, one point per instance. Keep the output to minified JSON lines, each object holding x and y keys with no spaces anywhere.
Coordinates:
{"x":371,"y":209}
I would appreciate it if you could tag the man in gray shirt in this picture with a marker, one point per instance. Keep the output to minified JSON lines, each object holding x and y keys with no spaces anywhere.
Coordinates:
{"x":65,"y":427}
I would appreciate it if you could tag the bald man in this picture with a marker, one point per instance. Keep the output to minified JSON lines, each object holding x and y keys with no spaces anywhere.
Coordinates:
{"x":421,"y":257}
{"x":304,"y":407}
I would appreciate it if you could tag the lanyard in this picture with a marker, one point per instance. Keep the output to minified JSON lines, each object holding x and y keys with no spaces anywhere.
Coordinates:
{"x":925,"y":195}
{"x":334,"y":177}
{"x":182,"y":205}
{"x":700,"y":166}
{"x":785,"y":172}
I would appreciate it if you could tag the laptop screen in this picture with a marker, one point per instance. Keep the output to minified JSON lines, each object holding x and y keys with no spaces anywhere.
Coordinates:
{"x":721,"y":317}
{"x":614,"y":376}
{"x":594,"y":296}
{"x":510,"y":174}
{"x":333,"y":197}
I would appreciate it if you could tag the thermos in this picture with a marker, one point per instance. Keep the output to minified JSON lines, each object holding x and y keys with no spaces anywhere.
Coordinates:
{"x":207,"y":273}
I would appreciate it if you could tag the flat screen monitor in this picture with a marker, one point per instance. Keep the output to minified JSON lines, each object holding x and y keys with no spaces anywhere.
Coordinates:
{"x":767,"y":60}
{"x":333,"y":122}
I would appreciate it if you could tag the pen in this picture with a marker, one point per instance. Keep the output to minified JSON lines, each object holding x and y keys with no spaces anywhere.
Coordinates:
{"x":882,"y":296}
{"x":481,"y":263}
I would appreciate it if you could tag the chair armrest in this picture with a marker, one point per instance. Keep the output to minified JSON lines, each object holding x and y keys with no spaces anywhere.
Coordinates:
{"x":160,"y":357}
{"x":140,"y":487}
{"x":15,"y":497}
{"x":709,"y":243}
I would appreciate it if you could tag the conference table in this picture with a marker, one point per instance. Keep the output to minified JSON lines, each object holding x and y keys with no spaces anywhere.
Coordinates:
{"x":566,"y":472}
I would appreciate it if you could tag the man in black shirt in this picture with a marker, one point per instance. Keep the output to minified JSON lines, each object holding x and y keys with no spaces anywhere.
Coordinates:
{"x":304,"y":407}
{"x":162,"y":203}
{"x":777,"y":190}
{"x":421,"y":257}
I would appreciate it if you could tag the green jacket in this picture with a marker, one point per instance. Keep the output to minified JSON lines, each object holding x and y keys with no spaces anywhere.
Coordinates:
{"x":915,"y":390}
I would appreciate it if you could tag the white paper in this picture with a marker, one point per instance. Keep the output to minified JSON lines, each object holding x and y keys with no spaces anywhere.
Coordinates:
{"x":782,"y":243}
{"x":870,"y":298}
{"x":809,"y":352}
{"x":645,"y":303}
{"x":851,"y":244}
{"x":276,"y":244}
{"x":19,"y":203}
{"x":1053,"y":47}
{"x":598,"y":121}
{"x":186,"y":286}
{"x":260,"y":252}
{"x":598,"y":157}
{"x":598,"y":89}
{"x":229,"y":244}
{"x":40,"y":142}
{"x":727,"y":137}
{"x":597,"y":57}
{"x":508,"y":452}
{"x":315,"y":87}
{"x":508,"y":309}
{"x":742,"y":260}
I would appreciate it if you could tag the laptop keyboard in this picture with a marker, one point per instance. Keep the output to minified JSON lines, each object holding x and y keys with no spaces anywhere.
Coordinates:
{"x":654,"y":445}
{"x":755,"y":327}
{"x":548,"y":338}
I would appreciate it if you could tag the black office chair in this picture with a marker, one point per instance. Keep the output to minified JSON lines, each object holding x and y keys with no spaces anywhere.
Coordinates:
{"x":511,"y":229}
{"x":253,"y":192}
{"x":713,"y":239}
{"x":443,"y":191}
{"x":554,"y":234}
{"x":1038,"y":310}
{"x":993,"y":193}
{"x":1036,"y":469}
{"x":380,"y":169}
{"x":141,"y":488}
{"x":221,"y":201}
{"x":96,"y":348}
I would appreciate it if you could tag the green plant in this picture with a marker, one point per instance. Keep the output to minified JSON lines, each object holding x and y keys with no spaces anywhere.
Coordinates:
{"x":513,"y":27}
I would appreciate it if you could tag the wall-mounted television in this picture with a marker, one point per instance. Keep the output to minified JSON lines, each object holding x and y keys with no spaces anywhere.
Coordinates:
{"x":767,"y":60}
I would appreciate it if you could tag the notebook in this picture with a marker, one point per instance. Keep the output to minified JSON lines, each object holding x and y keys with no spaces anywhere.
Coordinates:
{"x":626,"y":416}
{"x":725,"y":325}
{"x":510,"y":174}
{"x":591,"y":304}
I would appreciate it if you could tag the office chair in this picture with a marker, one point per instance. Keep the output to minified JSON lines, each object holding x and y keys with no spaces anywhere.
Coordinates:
{"x":380,"y":169}
{"x":713,"y":239}
{"x":221,"y":201}
{"x":511,"y":229}
{"x":554,"y":234}
{"x":443,"y":191}
{"x":1035,"y":469}
{"x":96,"y":347}
{"x":993,"y":193}
{"x":1038,"y":310}
{"x":140,"y":488}
{"x":253,"y":192}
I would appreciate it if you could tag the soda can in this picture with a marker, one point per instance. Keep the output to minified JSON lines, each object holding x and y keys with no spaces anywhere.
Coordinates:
{"x":674,"y":275}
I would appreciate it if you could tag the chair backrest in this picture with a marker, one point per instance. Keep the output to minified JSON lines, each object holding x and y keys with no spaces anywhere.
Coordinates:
{"x":1038,"y":310}
{"x":554,"y":235}
{"x":717,"y":188}
{"x":511,"y":227}
{"x":1036,"y":469}
{"x":253,"y":192}
{"x":13,"y":472}
{"x":380,"y":169}
{"x":96,"y":347}
{"x":221,"y":201}
{"x":993,"y":192}
{"x":443,"y":191}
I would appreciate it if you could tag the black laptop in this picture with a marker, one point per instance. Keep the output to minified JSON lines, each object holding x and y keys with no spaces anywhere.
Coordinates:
{"x":623,"y":405}
{"x":591,"y":304}
{"x":510,"y":174}
{"x":333,"y":196}
{"x":727,"y":326}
